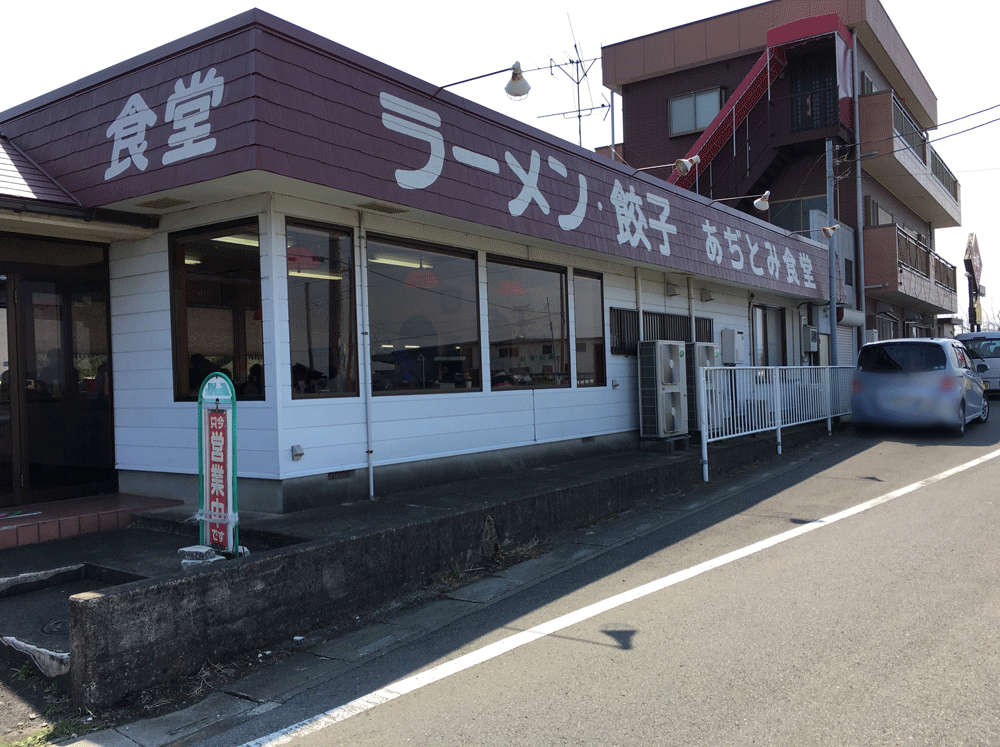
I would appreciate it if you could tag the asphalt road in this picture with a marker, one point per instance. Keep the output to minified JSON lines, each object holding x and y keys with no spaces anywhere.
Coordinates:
{"x":852,"y":599}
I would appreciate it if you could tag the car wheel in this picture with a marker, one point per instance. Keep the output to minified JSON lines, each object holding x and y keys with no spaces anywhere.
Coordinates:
{"x":960,"y":426}
{"x":984,"y":415}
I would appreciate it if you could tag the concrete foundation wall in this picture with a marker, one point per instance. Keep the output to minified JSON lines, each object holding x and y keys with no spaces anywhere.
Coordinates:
{"x":137,"y":635}
{"x":296,"y":494}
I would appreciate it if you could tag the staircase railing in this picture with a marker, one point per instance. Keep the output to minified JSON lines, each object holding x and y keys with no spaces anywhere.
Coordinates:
{"x":735,"y":111}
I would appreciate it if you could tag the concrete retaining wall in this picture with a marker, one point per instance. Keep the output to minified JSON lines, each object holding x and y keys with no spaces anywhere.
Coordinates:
{"x":127,"y":638}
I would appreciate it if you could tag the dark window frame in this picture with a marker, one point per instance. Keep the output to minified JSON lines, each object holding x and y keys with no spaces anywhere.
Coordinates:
{"x":600,"y":355}
{"x":352,"y":377}
{"x":471,"y":379}
{"x":185,"y":390}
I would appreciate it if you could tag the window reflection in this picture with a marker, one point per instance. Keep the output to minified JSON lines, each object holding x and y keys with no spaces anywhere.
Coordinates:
{"x":321,"y":311}
{"x":424,"y":319}
{"x":217,"y":309}
{"x":588,"y":316}
{"x":528,"y":326}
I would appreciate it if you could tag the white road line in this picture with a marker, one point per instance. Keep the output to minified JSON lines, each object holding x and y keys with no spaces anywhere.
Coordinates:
{"x":435,"y":674}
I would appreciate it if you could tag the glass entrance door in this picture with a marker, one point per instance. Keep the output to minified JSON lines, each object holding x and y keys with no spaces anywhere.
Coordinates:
{"x":67,"y":428}
{"x":56,"y":433}
{"x":7,"y":497}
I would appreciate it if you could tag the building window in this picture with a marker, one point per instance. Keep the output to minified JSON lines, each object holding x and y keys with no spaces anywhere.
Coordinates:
{"x":867,"y":84}
{"x":588,"y":315}
{"x":875,"y":214}
{"x":424,"y":317}
{"x":322,"y":328}
{"x":216,"y":305}
{"x":527,"y":311}
{"x":888,"y":326}
{"x":793,"y":215}
{"x":694,"y":112}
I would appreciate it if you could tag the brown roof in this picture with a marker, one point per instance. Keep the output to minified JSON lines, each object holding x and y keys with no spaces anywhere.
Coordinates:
{"x":21,"y":178}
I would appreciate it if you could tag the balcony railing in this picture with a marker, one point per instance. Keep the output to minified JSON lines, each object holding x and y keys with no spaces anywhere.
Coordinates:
{"x":943,"y":174}
{"x":944,"y":273}
{"x":906,"y":129}
{"x":913,"y":253}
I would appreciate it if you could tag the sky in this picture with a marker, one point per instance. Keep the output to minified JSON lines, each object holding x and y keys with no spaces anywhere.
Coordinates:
{"x":51,"y":44}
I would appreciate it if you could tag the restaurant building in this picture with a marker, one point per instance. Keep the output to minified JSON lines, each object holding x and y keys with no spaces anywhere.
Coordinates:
{"x":402,"y":285}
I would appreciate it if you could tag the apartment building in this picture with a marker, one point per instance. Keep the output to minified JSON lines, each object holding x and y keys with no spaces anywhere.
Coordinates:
{"x":761,"y":95}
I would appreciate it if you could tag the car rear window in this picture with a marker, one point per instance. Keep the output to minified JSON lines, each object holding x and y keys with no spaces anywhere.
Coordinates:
{"x":907,"y":357}
{"x":984,"y":347}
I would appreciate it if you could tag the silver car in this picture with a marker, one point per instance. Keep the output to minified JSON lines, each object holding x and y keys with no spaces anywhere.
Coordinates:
{"x":985,"y":345}
{"x":918,"y":382}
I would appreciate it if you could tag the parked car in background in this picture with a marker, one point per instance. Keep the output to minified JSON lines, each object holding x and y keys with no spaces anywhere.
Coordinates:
{"x":919,"y":382}
{"x":985,"y":345}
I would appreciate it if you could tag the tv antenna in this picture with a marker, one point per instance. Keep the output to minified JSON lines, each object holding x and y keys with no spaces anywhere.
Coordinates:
{"x":580,"y":69}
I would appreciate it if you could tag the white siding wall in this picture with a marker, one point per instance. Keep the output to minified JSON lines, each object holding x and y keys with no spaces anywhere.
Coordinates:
{"x":156,"y":434}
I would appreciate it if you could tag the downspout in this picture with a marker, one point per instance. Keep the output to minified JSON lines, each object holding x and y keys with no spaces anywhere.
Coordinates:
{"x":690,"y":290}
{"x":638,"y":303}
{"x":366,"y":352}
{"x":831,"y":249}
{"x":860,"y":200}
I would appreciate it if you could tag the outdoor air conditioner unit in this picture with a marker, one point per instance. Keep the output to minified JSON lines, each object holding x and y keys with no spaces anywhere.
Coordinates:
{"x":810,"y":339}
{"x":663,"y":409}
{"x":732,"y":347}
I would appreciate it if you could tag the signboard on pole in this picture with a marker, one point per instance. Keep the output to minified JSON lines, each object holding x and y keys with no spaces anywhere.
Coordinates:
{"x":217,"y":463}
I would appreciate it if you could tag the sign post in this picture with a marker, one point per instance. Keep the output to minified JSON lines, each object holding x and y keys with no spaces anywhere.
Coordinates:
{"x":217,"y":464}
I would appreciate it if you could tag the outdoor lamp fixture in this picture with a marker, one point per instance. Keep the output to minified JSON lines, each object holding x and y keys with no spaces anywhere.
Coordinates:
{"x":761,"y":203}
{"x":828,"y":231}
{"x":297,"y":452}
{"x":517,"y":87}
{"x":683,"y":166}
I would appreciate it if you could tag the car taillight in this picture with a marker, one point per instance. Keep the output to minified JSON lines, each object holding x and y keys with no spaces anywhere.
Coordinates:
{"x":947,"y":383}
{"x":856,"y":386}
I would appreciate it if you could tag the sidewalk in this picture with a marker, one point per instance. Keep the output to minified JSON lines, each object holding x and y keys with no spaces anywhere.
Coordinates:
{"x":317,"y":663}
{"x":311,"y":566}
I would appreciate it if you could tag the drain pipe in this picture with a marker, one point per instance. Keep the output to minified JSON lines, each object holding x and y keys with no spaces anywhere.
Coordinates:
{"x":857,"y":193}
{"x":366,"y":351}
{"x":690,"y":290}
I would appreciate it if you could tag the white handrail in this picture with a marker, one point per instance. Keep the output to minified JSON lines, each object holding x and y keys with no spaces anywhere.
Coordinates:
{"x":738,"y":401}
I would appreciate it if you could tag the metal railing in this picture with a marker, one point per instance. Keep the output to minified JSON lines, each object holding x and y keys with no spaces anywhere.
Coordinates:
{"x":738,"y":401}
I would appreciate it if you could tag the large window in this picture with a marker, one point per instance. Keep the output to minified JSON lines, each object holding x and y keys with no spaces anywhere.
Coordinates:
{"x":215,"y":297}
{"x":588,"y":314}
{"x":322,"y":328}
{"x":693,"y":112}
{"x":528,"y":325}
{"x":424,"y":317}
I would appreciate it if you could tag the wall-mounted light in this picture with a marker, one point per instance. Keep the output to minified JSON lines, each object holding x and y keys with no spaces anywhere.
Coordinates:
{"x":762,"y":203}
{"x":827,"y":231}
{"x":707,"y":295}
{"x":669,"y":289}
{"x":297,"y":453}
{"x":682,"y":166}
{"x":517,"y":87}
